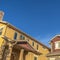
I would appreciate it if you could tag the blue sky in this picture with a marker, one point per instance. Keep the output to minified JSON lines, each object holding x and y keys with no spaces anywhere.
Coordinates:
{"x":38,"y":18}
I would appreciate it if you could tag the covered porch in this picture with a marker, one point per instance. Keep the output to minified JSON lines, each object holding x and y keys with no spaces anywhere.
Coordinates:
{"x":19,"y":50}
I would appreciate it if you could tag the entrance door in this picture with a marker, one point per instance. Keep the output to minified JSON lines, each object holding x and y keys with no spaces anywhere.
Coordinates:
{"x":12,"y":57}
{"x":15,"y":54}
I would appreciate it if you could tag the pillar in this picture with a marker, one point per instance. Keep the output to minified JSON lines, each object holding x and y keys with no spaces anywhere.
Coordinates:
{"x":2,"y":48}
{"x":21,"y":54}
{"x":9,"y":53}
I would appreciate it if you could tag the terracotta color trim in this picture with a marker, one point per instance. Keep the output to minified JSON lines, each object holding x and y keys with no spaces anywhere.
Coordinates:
{"x":25,"y":45}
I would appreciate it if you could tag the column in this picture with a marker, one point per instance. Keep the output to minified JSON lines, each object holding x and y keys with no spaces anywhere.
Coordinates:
{"x":21,"y":54}
{"x":9,"y":53}
{"x":2,"y":50}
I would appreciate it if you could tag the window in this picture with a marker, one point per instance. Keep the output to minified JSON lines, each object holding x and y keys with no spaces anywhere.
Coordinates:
{"x":57,"y":45}
{"x":15,"y":35}
{"x":32,"y":43}
{"x":28,"y":39}
{"x":35,"y":58}
{"x":37,"y":47}
{"x":44,"y":47}
{"x":22,"y":37}
{"x":1,"y":31}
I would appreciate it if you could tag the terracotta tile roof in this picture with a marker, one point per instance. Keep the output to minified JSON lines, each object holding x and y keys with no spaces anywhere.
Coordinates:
{"x":26,"y":46}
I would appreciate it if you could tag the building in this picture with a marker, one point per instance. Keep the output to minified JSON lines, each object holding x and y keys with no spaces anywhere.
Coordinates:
{"x":55,"y":48}
{"x":17,"y":45}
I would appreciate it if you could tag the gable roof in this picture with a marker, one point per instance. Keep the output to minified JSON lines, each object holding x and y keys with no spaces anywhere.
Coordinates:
{"x":55,"y":38}
{"x":13,"y":27}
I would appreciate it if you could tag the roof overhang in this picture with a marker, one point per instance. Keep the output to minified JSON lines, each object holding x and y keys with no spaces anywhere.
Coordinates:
{"x":54,"y":38}
{"x":27,"y":47}
{"x":53,"y":54}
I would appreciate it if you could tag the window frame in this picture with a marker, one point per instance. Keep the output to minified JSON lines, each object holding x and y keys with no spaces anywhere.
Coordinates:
{"x":15,"y":35}
{"x":37,"y":47}
{"x":57,"y":45}
{"x":35,"y":56}
{"x":22,"y":37}
{"x":33,"y":43}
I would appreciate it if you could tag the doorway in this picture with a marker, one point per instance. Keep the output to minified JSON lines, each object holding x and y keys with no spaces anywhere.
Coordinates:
{"x":15,"y":54}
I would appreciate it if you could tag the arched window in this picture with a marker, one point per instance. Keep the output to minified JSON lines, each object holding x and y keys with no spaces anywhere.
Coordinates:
{"x":15,"y":35}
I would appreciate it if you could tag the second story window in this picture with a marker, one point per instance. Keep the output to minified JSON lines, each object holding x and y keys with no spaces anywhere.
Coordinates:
{"x":15,"y":35}
{"x":32,"y":43}
{"x":37,"y":47}
{"x":1,"y":31}
{"x":44,"y":47}
{"x":28,"y":39}
{"x":57,"y":45}
{"x":22,"y":37}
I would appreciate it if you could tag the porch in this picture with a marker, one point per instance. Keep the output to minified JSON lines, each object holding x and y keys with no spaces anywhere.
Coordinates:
{"x":19,"y":50}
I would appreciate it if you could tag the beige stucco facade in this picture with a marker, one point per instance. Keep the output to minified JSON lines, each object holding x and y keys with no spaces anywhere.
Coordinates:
{"x":9,"y":51}
{"x":9,"y":31}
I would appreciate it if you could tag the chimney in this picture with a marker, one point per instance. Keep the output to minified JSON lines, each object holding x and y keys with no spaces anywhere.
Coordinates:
{"x":1,"y":15}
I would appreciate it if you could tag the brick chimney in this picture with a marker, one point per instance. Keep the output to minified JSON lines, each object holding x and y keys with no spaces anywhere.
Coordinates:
{"x":1,"y":15}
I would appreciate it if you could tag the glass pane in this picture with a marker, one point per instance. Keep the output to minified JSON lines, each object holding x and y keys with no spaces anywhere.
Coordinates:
{"x":15,"y":35}
{"x":32,"y":43}
{"x":22,"y":37}
{"x":37,"y":47}
{"x":59,"y":44}
{"x":35,"y":58}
